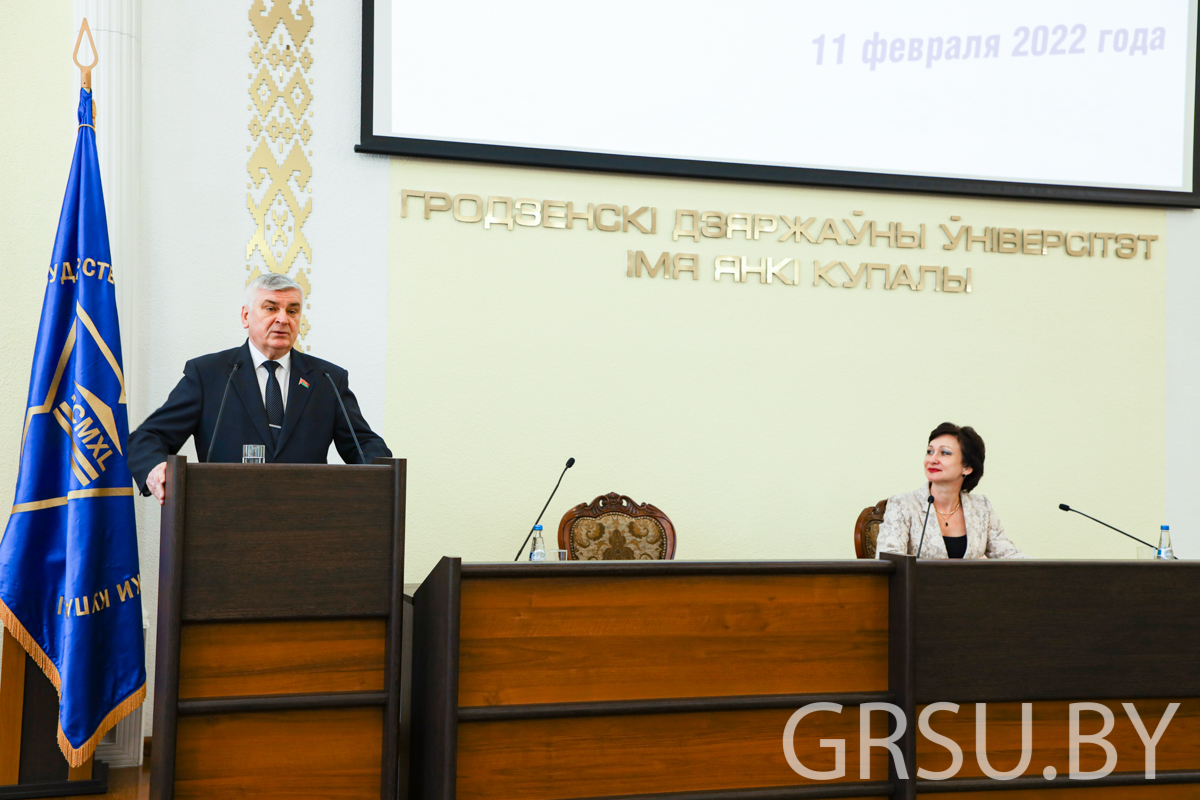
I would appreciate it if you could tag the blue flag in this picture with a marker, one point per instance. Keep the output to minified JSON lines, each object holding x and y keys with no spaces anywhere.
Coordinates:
{"x":69,"y":580}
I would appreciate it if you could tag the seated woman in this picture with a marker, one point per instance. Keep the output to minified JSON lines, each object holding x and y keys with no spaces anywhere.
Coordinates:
{"x":963,"y":525}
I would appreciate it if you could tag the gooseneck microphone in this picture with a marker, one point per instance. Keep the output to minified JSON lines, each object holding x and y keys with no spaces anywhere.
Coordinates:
{"x":927,"y":509}
{"x":570,"y":463}
{"x":212,"y":440}
{"x":1066,"y":507}
{"x":361,"y":459}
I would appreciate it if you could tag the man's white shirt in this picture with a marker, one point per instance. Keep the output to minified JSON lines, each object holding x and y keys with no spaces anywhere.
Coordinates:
{"x":281,"y":372}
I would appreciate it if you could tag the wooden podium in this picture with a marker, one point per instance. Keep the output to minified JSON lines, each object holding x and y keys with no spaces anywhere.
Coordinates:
{"x":280,"y":614}
{"x":675,"y":680}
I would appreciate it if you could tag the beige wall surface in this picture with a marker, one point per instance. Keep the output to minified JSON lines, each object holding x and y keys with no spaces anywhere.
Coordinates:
{"x":1183,"y":380}
{"x":761,"y":418}
{"x":37,"y":127}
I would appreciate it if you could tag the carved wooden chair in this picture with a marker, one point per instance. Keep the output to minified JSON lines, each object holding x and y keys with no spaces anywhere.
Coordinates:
{"x":615,"y":528}
{"x":866,"y":530}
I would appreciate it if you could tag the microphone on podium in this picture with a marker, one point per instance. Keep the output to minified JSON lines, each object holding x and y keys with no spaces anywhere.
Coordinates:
{"x":217,"y":425}
{"x":361,"y":458}
{"x":570,"y":463}
{"x":1066,"y":507}
{"x":927,"y":508}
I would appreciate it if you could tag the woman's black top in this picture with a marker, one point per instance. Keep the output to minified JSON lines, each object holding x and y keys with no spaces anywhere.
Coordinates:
{"x":956,"y":546}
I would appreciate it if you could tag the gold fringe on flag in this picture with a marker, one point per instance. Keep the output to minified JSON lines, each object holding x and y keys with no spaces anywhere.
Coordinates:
{"x":76,"y":756}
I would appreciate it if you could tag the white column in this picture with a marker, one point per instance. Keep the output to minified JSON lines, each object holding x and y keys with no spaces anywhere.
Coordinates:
{"x":117,"y":89}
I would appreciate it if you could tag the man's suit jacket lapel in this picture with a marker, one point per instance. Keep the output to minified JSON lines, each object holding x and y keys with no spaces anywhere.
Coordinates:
{"x":297,"y":396}
{"x":245,"y":382}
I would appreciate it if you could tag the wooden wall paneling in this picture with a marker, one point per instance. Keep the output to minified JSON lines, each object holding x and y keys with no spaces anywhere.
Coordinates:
{"x":1178,"y":749}
{"x":751,"y":702}
{"x":220,"y":659}
{"x":332,"y":754}
{"x":41,"y":758}
{"x":280,"y":702}
{"x":435,"y":642}
{"x":877,"y":790}
{"x":624,"y":569}
{"x":33,"y":763}
{"x":901,"y":671}
{"x":390,"y":779}
{"x":582,"y":637}
{"x":575,"y":757}
{"x":241,"y":566}
{"x":166,"y":657}
{"x":403,"y":764}
{"x":81,"y":773}
{"x":1056,"y":630}
{"x":12,"y":706}
{"x":1167,"y":787}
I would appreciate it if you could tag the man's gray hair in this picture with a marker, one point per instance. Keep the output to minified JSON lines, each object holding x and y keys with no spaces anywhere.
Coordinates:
{"x":270,"y":282}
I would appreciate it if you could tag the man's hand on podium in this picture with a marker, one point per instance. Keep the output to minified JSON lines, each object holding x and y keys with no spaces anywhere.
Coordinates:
{"x":156,"y":482}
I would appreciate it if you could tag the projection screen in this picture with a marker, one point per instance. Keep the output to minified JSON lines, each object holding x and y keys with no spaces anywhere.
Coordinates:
{"x":1089,"y":100}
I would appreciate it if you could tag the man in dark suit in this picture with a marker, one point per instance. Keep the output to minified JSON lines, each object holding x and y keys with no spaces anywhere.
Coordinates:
{"x":278,"y":397}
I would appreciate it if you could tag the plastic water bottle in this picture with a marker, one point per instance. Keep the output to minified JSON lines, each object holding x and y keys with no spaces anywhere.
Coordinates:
{"x":537,"y":550}
{"x":1164,"y":543}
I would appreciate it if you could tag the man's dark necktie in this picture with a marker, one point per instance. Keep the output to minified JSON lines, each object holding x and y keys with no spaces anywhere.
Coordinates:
{"x":274,"y":402}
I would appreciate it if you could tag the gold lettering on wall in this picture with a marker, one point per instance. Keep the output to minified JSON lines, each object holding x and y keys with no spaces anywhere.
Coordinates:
{"x":510,"y":213}
{"x":279,"y":192}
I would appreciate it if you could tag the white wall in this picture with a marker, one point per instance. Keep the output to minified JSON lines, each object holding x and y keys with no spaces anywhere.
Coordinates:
{"x":1183,"y":382}
{"x":38,"y":96}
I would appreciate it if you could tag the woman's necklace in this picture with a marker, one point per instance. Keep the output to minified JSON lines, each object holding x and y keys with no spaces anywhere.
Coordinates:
{"x":945,"y":518}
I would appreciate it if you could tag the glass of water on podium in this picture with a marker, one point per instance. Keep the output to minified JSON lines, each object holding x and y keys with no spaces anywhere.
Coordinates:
{"x":254,"y":454}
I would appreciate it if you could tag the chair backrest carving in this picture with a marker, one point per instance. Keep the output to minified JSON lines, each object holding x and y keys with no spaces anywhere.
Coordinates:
{"x":866,"y":529}
{"x":615,"y":528}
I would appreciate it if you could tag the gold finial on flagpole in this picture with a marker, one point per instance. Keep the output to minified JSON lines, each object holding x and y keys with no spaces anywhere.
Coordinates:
{"x":85,"y":70}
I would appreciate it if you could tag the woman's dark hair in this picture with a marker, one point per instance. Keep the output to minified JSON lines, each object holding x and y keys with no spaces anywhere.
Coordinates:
{"x":973,"y":451}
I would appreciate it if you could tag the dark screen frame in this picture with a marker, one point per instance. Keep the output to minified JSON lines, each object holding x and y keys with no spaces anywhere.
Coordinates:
{"x":748,"y":173}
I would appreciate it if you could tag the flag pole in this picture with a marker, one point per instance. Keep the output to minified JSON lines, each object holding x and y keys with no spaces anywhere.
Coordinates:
{"x":107,"y":649}
{"x":85,"y":70}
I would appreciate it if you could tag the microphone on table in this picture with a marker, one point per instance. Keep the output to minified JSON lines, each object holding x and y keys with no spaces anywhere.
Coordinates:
{"x":217,"y":425}
{"x":927,"y":510}
{"x":361,"y":459}
{"x":570,"y":463}
{"x":1066,"y":507}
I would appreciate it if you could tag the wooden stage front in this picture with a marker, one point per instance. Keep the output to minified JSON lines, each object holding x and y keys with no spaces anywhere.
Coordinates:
{"x":675,"y":680}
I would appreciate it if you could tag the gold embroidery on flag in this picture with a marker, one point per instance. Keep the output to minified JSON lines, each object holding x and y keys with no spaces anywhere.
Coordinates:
{"x":78,"y":494}
{"x":63,"y":360}
{"x":108,"y":354}
{"x":58,"y":373}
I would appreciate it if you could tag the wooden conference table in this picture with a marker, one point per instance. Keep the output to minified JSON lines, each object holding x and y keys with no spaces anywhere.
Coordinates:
{"x":676,"y":679}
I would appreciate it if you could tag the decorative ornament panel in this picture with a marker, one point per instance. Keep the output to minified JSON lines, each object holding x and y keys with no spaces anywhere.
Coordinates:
{"x":279,"y":192}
